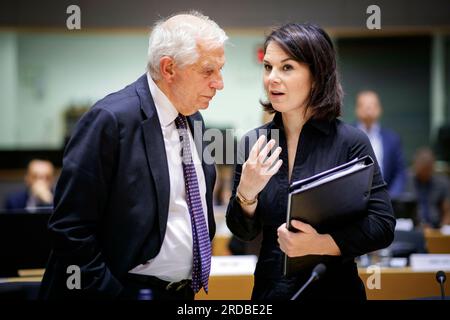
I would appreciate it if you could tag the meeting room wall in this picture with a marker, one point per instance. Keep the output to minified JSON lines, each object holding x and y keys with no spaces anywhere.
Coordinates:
{"x":8,"y":86}
{"x":447,"y":77}
{"x":49,"y":72}
{"x":44,"y":73}
{"x":398,"y":68}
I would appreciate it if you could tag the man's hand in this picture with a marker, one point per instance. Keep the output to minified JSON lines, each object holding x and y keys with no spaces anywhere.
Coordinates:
{"x":307,"y":241}
{"x":42,"y":192}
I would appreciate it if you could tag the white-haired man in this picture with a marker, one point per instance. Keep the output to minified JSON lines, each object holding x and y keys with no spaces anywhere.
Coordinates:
{"x":133,"y":205}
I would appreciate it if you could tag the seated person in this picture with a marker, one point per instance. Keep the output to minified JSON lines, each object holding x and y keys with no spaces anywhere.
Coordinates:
{"x":431,"y":190}
{"x":39,"y":181}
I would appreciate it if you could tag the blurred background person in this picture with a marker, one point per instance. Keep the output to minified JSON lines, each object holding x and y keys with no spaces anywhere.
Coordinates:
{"x":385,"y":143}
{"x":431,"y":190}
{"x":38,"y":193}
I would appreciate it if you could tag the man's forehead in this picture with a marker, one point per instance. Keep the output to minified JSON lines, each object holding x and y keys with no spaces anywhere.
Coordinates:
{"x":212,"y":59}
{"x":40,"y":166}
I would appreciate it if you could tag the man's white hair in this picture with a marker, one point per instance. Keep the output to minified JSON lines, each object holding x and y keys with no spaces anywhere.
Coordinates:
{"x":180,"y":41}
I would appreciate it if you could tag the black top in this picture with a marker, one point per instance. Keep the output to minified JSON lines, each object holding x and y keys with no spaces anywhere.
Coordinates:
{"x":322,"y":145}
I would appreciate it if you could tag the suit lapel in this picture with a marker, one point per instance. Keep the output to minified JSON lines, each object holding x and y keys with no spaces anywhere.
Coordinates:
{"x":155,"y":152}
{"x":157,"y":159}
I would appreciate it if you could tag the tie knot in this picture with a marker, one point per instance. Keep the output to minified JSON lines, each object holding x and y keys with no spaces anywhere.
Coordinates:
{"x":180,"y":122}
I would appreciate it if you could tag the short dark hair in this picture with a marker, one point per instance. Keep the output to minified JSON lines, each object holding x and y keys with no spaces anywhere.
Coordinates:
{"x":309,"y":44}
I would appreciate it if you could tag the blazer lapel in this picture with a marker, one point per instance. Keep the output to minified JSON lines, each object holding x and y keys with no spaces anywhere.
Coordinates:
{"x":155,"y":152}
{"x":157,"y":159}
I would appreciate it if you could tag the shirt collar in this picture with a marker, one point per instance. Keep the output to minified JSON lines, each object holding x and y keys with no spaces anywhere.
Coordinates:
{"x":165,"y":109}
{"x":322,"y":125}
{"x":374,"y":130}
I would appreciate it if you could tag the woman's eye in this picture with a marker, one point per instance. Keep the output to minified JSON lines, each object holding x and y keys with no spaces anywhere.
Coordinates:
{"x":267,"y":67}
{"x":287,"y":67}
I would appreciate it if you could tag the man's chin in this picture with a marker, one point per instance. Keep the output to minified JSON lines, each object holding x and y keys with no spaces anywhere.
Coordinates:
{"x":204,"y":106}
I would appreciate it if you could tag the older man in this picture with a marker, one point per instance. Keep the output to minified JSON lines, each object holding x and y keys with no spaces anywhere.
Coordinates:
{"x":133,"y":205}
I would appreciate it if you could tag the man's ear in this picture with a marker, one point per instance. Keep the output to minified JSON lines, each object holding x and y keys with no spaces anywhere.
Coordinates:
{"x":167,"y":68}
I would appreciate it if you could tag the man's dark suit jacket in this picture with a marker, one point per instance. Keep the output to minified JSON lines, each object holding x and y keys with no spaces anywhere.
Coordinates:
{"x":394,"y":171}
{"x":393,"y":166}
{"x":18,"y":200}
{"x":112,"y":198}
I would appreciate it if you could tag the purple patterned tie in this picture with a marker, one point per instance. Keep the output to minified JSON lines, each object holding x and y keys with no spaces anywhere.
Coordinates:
{"x":200,"y":235}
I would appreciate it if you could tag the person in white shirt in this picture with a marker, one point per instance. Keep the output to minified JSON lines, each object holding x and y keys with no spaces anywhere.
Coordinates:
{"x":133,"y":205}
{"x":385,"y":143}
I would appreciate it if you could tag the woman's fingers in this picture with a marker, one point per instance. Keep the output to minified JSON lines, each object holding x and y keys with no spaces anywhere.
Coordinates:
{"x":265,"y":151}
{"x":274,"y":169}
{"x":302,"y":226}
{"x":254,"y":152}
{"x":271,"y":160}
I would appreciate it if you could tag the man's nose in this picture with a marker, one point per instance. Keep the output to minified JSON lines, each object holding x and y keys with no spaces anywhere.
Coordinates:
{"x":218,"y":83}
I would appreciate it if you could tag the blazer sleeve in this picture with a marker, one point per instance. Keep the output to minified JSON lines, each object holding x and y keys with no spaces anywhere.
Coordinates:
{"x":240,"y":225}
{"x":80,"y":201}
{"x":376,"y":229}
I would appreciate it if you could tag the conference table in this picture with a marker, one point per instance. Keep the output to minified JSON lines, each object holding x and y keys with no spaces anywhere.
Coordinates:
{"x":232,"y":276}
{"x":395,"y":284}
{"x":436,"y":241}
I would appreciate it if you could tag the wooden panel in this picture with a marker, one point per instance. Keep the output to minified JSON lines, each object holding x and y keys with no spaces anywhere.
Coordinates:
{"x":220,"y":246}
{"x":395,"y":284}
{"x":437,"y":242}
{"x":228,"y":288}
{"x":403,"y":284}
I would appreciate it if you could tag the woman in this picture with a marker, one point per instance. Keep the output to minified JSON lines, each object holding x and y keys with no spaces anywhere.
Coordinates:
{"x":302,"y":86}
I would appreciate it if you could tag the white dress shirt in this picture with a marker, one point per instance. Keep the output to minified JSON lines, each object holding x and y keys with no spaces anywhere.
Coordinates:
{"x":376,"y":141}
{"x":174,"y":261}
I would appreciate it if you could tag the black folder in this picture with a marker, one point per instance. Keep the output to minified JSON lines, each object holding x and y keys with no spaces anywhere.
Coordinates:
{"x":326,"y":201}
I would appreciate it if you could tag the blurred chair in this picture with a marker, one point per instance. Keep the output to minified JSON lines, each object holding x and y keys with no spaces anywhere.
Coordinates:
{"x":406,"y":243}
{"x":13,"y":291}
{"x":405,"y":207}
{"x":24,"y":242}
